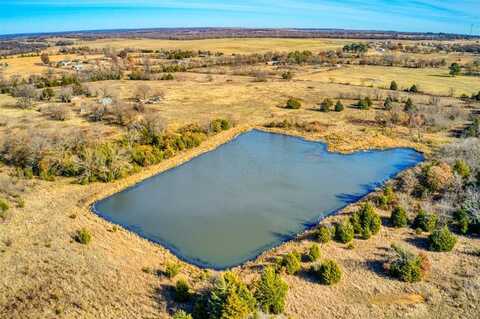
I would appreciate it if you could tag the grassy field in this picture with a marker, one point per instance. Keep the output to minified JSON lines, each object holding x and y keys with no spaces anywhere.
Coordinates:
{"x":24,"y":66}
{"x":45,"y":274}
{"x":227,"y":46}
{"x":434,"y":81}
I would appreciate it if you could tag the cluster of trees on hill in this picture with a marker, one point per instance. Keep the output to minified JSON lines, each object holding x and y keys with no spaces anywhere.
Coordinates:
{"x":40,"y":152}
{"x":356,"y":48}
{"x":20,"y":47}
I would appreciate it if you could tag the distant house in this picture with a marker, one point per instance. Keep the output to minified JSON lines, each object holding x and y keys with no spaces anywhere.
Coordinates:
{"x":273,"y":63}
{"x":64,"y":63}
{"x":78,"y":67}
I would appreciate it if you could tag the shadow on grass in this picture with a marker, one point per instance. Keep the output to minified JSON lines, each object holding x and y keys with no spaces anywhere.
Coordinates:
{"x":307,"y":275}
{"x":164,"y":296}
{"x":377,"y":266}
{"x":419,"y":242}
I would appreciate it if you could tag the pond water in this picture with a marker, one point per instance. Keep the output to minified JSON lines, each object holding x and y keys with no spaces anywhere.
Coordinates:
{"x":227,"y":206}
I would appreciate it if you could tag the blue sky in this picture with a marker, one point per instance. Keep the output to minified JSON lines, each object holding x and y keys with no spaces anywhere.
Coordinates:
{"x":24,"y":16}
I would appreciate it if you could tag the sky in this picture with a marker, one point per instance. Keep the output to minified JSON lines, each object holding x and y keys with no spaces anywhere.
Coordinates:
{"x":26,"y":16}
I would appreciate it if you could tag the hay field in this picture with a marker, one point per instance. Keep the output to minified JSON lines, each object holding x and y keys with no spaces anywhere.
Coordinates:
{"x":227,"y":46}
{"x":429,"y":80}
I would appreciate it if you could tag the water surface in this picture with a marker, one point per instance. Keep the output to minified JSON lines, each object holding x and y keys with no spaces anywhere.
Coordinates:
{"x":227,"y":206}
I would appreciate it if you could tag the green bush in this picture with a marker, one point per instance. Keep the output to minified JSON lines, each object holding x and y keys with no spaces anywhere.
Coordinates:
{"x":344,"y":232}
{"x":270,"y":292}
{"x":462,"y":221}
{"x":3,"y":206}
{"x":339,"y":106}
{"x":323,"y":234}
{"x":366,"y":222}
{"x":424,"y":221}
{"x":172,"y":269}
{"x":146,"y":155}
{"x":409,"y":106}
{"x":442,"y":240}
{"x":326,"y":105}
{"x":182,"y":291}
{"x":461,"y":168}
{"x":393,"y":86}
{"x":399,"y":217}
{"x":313,"y":253}
{"x":290,"y":263}
{"x":182,"y":315}
{"x":83,"y":236}
{"x":288,"y":75}
{"x":219,"y":125}
{"x":387,"y":198}
{"x":229,"y":298}
{"x":293,"y":103}
{"x":388,"y":104}
{"x":328,"y":272}
{"x":364,"y":104}
{"x":407,"y":266}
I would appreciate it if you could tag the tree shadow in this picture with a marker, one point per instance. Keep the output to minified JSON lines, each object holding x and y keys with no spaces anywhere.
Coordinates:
{"x":419,"y":242}
{"x":164,"y":296}
{"x":440,"y":75}
{"x":307,"y":275}
{"x":386,"y":221}
{"x":377,"y":266}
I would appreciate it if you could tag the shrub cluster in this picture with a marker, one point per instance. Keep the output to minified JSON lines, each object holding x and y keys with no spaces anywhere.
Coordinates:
{"x":327,"y":273}
{"x":48,"y":154}
{"x":270,"y":292}
{"x":339,"y":106}
{"x":313,"y":253}
{"x":366,"y":222}
{"x":442,"y":240}
{"x":344,"y":231}
{"x":219,"y":125}
{"x":399,"y":217}
{"x":407,"y":266}
{"x":83,"y":236}
{"x":290,"y":263}
{"x":172,"y":270}
{"x":182,"y":315}
{"x":387,"y":198}
{"x":326,"y":105}
{"x":364,"y":103}
{"x":229,"y":298}
{"x":3,"y":208}
{"x":425,"y":222}
{"x":182,"y":291}
{"x":323,"y":234}
{"x":293,"y":104}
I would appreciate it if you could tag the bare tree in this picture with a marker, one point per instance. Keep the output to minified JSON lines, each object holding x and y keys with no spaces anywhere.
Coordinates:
{"x":26,"y":94}
{"x":143,"y":92}
{"x":45,"y":58}
{"x":66,"y":95}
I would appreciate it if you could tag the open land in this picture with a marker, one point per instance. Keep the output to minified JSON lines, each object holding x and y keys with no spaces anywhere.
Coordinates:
{"x":46,"y":274}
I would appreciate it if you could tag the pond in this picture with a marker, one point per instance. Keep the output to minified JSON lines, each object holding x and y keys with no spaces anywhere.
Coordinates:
{"x":229,"y":205}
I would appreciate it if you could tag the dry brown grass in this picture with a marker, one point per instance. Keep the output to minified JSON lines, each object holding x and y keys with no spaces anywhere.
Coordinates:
{"x":45,"y":274}
{"x":227,"y":46}
{"x":433,"y":81}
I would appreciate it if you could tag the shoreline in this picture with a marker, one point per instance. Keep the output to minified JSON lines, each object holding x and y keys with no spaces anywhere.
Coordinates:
{"x":226,"y":137}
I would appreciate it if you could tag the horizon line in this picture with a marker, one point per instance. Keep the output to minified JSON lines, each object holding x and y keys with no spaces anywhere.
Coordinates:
{"x":25,"y":34}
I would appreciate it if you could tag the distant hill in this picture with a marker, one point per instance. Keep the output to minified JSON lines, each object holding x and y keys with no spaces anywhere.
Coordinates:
{"x":211,"y":33}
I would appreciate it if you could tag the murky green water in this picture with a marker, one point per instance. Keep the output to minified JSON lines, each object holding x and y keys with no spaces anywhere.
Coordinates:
{"x":227,"y":206}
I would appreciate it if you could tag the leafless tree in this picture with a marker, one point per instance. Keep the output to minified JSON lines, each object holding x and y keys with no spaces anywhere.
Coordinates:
{"x":142,"y":92}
